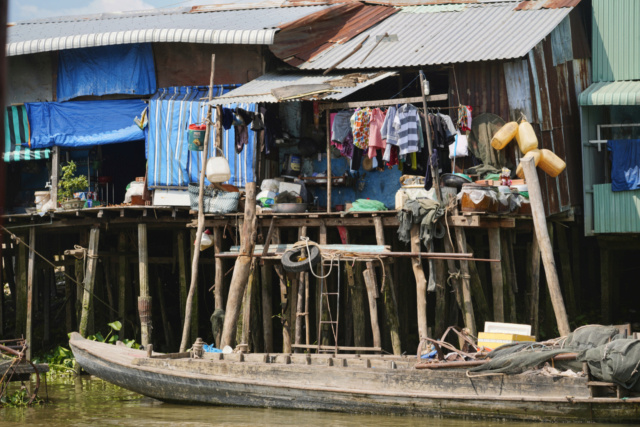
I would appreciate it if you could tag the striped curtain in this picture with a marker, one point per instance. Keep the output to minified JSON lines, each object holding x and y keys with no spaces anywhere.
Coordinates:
{"x":170,"y":163}
{"x":16,"y":132}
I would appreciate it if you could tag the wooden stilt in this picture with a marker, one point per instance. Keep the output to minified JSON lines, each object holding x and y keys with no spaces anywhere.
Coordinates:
{"x":10,"y":272}
{"x":535,"y":288}
{"x":508,"y":277}
{"x":89,"y":280}
{"x":496,"y":275}
{"x":284,"y":302}
{"x":455,"y":281}
{"x":605,"y":283}
{"x":469,"y":317}
{"x":182,"y":272}
{"x":421,"y":282}
{"x":441,"y":298}
{"x":576,"y":253}
{"x":539,"y":222}
{"x":168,"y":332}
{"x":300,"y":311}
{"x":389,"y":293}
{"x":123,"y":267}
{"x":355,"y":287}
{"x":329,"y":174}
{"x":372,"y":294}
{"x":324,"y":337}
{"x":267,"y":312}
{"x":345,"y":298}
{"x":21,"y":288}
{"x":2,"y":282}
{"x":30,"y":285}
{"x":482,"y":314}
{"x":193,"y":319}
{"x":293,"y":303}
{"x":246,"y":308}
{"x":565,"y":265}
{"x":218,"y":283}
{"x":144,"y":300}
{"x":48,"y":282}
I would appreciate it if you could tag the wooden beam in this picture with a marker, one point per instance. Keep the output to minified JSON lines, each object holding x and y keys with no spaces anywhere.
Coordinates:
{"x":497,"y":285}
{"x":382,"y":102}
{"x":144,"y":300}
{"x":540,"y":224}
{"x":30,"y":285}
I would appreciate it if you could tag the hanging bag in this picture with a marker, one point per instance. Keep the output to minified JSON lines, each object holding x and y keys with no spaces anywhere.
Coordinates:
{"x":460,"y":147}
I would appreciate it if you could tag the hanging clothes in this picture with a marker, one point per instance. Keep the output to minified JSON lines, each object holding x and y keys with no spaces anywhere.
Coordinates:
{"x":360,"y":125}
{"x":406,"y":123}
{"x":388,"y":132}
{"x":375,"y":136}
{"x":340,"y":125}
{"x":625,"y":164}
{"x":346,"y":146}
{"x":464,"y":118}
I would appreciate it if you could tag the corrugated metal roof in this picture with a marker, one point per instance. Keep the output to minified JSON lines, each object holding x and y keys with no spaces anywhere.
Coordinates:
{"x":616,"y":40}
{"x":252,"y":26}
{"x":616,"y":212}
{"x":259,"y":90}
{"x":611,"y":93}
{"x":479,"y":32}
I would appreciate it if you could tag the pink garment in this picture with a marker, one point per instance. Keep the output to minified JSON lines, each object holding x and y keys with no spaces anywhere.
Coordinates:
{"x":375,"y":137}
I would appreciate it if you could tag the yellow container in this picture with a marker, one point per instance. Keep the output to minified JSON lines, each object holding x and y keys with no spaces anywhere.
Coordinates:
{"x":550,"y":163}
{"x":536,"y":154}
{"x":494,"y":340}
{"x":504,"y":135}
{"x":526,"y":137}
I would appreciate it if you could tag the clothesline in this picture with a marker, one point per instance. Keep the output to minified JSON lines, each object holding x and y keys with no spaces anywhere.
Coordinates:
{"x":382,"y":102}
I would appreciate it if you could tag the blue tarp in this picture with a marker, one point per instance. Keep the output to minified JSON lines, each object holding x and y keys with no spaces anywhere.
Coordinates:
{"x":105,"y":70}
{"x":625,"y":164}
{"x":170,"y":163}
{"x":84,"y":123}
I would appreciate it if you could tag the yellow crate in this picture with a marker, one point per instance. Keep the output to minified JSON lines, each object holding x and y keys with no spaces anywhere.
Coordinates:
{"x":494,"y":340}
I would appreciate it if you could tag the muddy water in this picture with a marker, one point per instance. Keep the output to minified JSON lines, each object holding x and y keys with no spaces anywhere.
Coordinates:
{"x":83,"y":402}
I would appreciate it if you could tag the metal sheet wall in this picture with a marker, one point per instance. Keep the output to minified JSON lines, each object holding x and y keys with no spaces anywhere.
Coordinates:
{"x":30,"y":78}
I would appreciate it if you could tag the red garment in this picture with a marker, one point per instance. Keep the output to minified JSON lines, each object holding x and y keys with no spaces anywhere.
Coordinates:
{"x":375,"y":137}
{"x":393,"y":159}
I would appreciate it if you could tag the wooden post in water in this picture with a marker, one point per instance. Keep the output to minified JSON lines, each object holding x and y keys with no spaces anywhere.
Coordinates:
{"x":246,"y":307}
{"x":218,"y":282}
{"x":496,"y":275}
{"x":469,"y":317}
{"x":540,"y":224}
{"x":89,"y":280}
{"x":421,"y":283}
{"x":389,"y":292}
{"x":300,"y":311}
{"x":123,"y":267}
{"x":323,"y":339}
{"x":21,"y":287}
{"x":372,"y":294}
{"x":196,"y":251}
{"x":30,"y":285}
{"x":144,"y":300}
{"x":535,"y":288}
{"x":182,"y":271}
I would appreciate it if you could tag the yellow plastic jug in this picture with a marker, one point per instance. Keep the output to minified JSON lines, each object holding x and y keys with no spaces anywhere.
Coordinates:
{"x":551,"y":163}
{"x":535,"y":153}
{"x":504,"y":135}
{"x":526,"y":137}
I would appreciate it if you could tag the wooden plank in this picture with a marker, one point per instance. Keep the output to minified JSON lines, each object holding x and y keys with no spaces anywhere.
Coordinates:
{"x":478,"y":221}
{"x":382,"y":102}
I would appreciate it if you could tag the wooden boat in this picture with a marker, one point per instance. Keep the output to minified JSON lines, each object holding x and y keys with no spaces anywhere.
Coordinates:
{"x":348,"y":383}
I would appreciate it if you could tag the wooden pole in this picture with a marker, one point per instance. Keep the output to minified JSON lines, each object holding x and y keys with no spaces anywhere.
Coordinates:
{"x":605,"y":284}
{"x":89,"y":280}
{"x":329,"y":175}
{"x":21,"y":288}
{"x":2,"y":282}
{"x":267,"y":311}
{"x":565,"y":265}
{"x":508,"y":277}
{"x":354,"y":286}
{"x":324,"y":337}
{"x":246,"y":306}
{"x":441,"y":298}
{"x":49,"y":279}
{"x":196,"y":253}
{"x":144,"y":300}
{"x":218,"y":289}
{"x":535,"y":288}
{"x":421,"y":283}
{"x":284,"y":302}
{"x":168,"y":333}
{"x":540,"y":224}
{"x":30,"y":285}
{"x":496,"y":275}
{"x":300,"y":311}
{"x":389,"y":292}
{"x":469,"y":317}
{"x":182,"y":272}
{"x":122,"y":282}
{"x":434,"y":173}
{"x":372,"y":293}
{"x":55,"y":172}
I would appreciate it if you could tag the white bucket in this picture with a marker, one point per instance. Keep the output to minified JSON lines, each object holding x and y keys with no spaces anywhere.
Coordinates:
{"x":42,"y":197}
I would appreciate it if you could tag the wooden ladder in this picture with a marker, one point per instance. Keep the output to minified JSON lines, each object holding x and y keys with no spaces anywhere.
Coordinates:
{"x":325,"y":297}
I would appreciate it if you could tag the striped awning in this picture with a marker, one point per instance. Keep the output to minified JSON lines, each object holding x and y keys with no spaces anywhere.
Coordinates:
{"x":16,"y":141}
{"x":611,"y":93}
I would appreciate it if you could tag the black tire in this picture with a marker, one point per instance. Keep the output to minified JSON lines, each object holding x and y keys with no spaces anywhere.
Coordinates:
{"x":291,"y":259}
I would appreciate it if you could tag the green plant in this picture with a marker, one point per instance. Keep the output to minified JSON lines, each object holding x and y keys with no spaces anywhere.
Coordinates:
{"x":70,"y":183}
{"x":111,"y":337}
{"x":18,"y":399}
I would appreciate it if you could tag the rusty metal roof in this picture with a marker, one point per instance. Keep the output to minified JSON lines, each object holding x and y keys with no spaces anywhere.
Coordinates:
{"x":431,"y":35}
{"x":260,"y":89}
{"x":185,"y":25}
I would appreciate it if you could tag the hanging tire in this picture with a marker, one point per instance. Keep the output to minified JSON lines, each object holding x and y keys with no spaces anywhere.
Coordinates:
{"x":296,"y":261}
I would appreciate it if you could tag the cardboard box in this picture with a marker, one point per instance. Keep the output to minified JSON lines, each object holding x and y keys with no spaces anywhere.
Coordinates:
{"x":291,"y":187}
{"x":494,"y":340}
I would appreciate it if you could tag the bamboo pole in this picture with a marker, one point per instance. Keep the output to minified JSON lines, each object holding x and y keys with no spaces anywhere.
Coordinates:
{"x":30,"y":285}
{"x":144,"y":300}
{"x":196,"y":253}
{"x":540,"y":224}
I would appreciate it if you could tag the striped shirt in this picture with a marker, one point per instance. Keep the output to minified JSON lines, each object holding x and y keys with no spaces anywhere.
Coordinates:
{"x":407,"y":126}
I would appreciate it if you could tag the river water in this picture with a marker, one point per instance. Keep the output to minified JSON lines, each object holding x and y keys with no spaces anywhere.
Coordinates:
{"x":91,"y":401}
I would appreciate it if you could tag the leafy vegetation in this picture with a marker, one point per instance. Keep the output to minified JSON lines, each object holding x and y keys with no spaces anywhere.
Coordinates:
{"x":70,"y":183}
{"x":18,"y":399}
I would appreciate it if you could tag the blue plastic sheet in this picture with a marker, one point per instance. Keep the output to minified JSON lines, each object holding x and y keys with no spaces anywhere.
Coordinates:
{"x":170,"y":163}
{"x":625,"y":164}
{"x":84,"y":123}
{"x":105,"y":70}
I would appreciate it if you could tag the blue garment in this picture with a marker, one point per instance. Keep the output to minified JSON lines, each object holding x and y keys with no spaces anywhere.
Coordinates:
{"x":625,"y":164}
{"x":106,"y":70}
{"x":84,"y":123}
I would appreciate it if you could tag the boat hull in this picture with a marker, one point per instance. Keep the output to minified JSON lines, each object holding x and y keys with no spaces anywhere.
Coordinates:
{"x":194,"y":382}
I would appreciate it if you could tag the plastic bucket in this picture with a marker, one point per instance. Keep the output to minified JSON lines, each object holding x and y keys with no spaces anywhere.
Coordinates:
{"x":196,"y":136}
{"x":42,"y":197}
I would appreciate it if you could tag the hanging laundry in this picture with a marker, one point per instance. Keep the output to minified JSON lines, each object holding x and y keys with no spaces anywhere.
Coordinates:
{"x":375,"y":136}
{"x":464,"y":118}
{"x":388,"y":132}
{"x":340,"y":126}
{"x":406,"y":125}
{"x":393,"y":156}
{"x":625,"y":164}
{"x":346,"y":146}
{"x":448,"y":123}
{"x":360,"y":123}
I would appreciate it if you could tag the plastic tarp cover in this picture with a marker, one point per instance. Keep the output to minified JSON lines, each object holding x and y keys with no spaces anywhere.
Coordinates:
{"x":84,"y":123}
{"x":170,"y":163}
{"x":105,"y":70}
